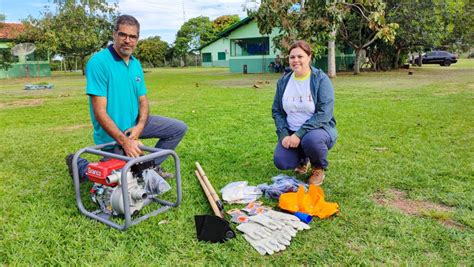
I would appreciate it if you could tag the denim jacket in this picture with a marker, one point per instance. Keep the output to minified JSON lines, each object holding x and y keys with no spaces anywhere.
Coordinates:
{"x":323,"y":97}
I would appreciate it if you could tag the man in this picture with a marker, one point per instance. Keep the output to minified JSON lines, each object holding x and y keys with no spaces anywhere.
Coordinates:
{"x":118,"y":102}
{"x":277,"y":64}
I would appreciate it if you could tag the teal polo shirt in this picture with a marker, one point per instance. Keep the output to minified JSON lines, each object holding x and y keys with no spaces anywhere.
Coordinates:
{"x":108,"y":76}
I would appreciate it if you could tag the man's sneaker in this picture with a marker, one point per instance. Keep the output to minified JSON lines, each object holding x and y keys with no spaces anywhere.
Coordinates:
{"x":163,"y":173}
{"x":303,"y":168}
{"x":82,"y":167}
{"x":317,"y":176}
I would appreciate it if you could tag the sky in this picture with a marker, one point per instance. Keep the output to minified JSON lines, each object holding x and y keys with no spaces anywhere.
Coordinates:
{"x":156,"y":17}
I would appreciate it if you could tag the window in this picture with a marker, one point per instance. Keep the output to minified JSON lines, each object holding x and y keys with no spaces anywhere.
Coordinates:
{"x":249,"y":47}
{"x":221,"y":56}
{"x":206,"y":57}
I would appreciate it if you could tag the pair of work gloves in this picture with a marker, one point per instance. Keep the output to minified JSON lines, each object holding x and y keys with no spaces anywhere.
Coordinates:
{"x":271,"y":231}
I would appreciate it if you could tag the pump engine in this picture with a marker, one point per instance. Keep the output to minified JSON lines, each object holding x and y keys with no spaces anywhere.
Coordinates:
{"x":107,"y":189}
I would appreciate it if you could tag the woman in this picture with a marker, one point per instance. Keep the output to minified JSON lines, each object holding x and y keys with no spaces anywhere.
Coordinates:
{"x":303,"y":114}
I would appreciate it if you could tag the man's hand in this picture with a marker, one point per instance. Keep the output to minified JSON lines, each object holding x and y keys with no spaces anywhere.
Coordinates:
{"x":131,"y":147}
{"x":134,"y":132}
{"x":129,"y":143}
{"x":291,"y":141}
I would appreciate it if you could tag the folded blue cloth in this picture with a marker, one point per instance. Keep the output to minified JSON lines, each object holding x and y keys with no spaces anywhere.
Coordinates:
{"x":282,"y":183}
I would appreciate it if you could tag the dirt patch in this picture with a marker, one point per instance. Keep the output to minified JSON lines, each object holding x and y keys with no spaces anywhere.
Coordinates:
{"x":71,"y":128}
{"x":397,"y":199}
{"x":445,"y":93}
{"x":23,"y":103}
{"x":249,"y":83}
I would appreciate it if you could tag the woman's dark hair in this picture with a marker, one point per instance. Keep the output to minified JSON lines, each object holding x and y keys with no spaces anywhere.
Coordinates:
{"x":126,"y":19}
{"x":303,"y":45}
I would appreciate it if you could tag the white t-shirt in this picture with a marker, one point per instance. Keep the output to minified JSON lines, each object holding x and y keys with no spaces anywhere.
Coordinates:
{"x":298,"y":102}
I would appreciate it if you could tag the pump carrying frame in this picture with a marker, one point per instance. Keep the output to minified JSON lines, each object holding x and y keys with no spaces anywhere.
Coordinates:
{"x":154,"y":153}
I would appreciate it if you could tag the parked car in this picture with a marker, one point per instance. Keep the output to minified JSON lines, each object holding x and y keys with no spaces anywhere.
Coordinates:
{"x":442,"y":58}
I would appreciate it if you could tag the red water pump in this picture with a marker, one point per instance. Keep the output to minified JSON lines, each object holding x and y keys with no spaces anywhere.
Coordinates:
{"x":124,"y":176}
{"x":107,"y":191}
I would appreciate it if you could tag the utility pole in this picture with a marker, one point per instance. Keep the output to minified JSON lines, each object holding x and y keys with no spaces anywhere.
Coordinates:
{"x":184,"y":13}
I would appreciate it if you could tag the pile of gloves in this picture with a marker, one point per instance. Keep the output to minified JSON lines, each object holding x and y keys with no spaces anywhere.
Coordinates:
{"x":271,"y":231}
{"x":282,"y":183}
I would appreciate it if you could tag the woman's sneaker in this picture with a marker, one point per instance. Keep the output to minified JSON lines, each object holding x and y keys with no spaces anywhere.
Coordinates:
{"x":317,"y":176}
{"x":303,"y":168}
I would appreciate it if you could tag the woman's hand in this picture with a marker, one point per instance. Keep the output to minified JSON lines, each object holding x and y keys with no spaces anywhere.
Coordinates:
{"x":291,"y":141}
{"x":285,"y":142}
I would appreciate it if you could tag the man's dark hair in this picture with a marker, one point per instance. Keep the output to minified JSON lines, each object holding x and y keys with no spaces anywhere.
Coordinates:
{"x":126,"y":19}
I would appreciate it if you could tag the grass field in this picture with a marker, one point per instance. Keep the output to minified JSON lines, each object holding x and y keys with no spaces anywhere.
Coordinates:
{"x":399,"y":134}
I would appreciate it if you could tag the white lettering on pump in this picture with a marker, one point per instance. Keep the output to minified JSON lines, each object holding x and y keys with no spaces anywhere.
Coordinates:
{"x":94,"y":172}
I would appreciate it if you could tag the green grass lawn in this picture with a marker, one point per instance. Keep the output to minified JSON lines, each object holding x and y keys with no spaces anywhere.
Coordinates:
{"x":411,"y":133}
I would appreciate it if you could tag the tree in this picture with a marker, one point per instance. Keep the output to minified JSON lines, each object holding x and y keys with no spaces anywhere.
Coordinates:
{"x":78,"y":28}
{"x":458,"y":28}
{"x":362,"y":24}
{"x":429,"y":24}
{"x":193,"y":34}
{"x":310,"y":22}
{"x":317,"y":22}
{"x":223,"y":22}
{"x":152,"y":51}
{"x":313,"y":21}
{"x":38,"y":33}
{"x":335,"y":19}
{"x":419,"y":26}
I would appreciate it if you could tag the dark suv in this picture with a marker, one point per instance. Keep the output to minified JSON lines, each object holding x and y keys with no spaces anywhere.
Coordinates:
{"x":442,"y":58}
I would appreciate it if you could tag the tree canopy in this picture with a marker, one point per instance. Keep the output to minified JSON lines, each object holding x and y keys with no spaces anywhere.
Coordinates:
{"x":192,"y":34}
{"x":314,"y":21}
{"x":363,"y":22}
{"x":223,"y":22}
{"x":5,"y":55}
{"x":152,"y":51}
{"x":424,"y":25}
{"x":457,"y":24}
{"x":198,"y":31}
{"x":310,"y":23}
{"x":77,"y":29}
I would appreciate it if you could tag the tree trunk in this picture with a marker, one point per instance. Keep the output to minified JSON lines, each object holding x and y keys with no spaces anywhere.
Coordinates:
{"x":420,"y":61}
{"x":332,"y":55}
{"x":83,"y":67}
{"x":397,"y":58}
{"x":357,"y":61}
